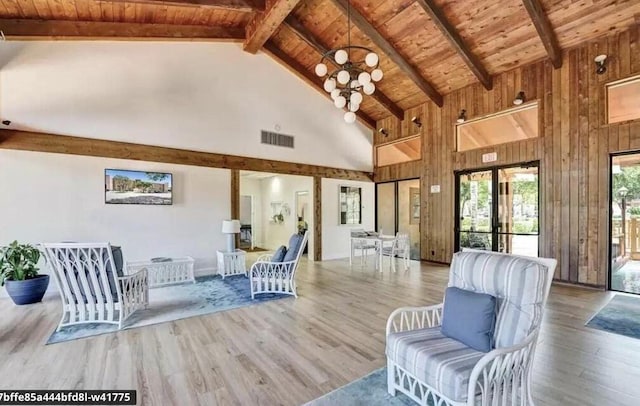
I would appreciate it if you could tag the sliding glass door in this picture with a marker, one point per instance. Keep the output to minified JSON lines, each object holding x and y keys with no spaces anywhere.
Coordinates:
{"x":398,"y":210}
{"x":497,"y":209}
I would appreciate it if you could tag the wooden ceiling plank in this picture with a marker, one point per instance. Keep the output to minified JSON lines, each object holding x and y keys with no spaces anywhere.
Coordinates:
{"x":545,"y":31}
{"x":294,"y":66}
{"x":263,"y":25}
{"x":450,"y":33}
{"x":235,"y":5}
{"x":20,"y":29}
{"x":304,"y":34}
{"x":370,"y":31}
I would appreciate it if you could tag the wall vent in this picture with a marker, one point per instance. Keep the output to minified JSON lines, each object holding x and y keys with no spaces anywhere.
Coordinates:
{"x":281,"y":140}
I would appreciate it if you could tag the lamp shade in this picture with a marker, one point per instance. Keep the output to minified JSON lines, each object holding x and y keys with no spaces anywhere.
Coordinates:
{"x":230,"y":226}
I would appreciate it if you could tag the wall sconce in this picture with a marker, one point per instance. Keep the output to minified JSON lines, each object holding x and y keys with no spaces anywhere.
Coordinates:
{"x":416,"y":121}
{"x":383,"y":132}
{"x":520,"y":98}
{"x":462,"y":117}
{"x":600,"y":61}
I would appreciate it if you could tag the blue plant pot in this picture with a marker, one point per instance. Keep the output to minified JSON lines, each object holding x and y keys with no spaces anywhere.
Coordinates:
{"x":27,"y":291}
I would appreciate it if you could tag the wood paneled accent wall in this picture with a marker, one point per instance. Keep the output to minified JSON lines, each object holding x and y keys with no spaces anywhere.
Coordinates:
{"x":573,"y":149}
{"x":397,"y":130}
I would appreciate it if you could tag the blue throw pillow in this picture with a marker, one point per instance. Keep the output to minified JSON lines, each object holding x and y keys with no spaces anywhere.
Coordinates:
{"x":294,"y":246}
{"x":278,"y":256}
{"x":470,"y":318}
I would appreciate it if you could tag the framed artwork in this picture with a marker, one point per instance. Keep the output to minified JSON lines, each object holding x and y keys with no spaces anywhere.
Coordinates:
{"x":414,"y":202}
{"x":350,"y":205}
{"x":123,"y":186}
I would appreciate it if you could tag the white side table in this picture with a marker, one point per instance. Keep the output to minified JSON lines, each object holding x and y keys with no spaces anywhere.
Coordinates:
{"x":232,"y":263}
{"x":178,"y":270}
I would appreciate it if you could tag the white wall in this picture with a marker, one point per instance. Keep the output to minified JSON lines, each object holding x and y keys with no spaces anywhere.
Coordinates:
{"x":336,"y":237}
{"x":200,"y":96}
{"x":51,"y":198}
{"x":283,"y":188}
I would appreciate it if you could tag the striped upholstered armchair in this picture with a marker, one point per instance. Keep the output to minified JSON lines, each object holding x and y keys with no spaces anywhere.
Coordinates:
{"x":432,"y":368}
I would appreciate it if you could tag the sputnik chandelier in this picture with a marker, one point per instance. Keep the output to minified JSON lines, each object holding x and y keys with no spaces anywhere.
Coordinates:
{"x":357,"y":70}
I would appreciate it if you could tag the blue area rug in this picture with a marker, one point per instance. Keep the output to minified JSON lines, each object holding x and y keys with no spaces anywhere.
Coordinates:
{"x":620,"y":316}
{"x":370,"y":390}
{"x":210,"y":294}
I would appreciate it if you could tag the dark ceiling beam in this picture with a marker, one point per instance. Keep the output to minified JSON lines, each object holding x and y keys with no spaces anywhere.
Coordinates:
{"x":235,"y":5}
{"x":16,"y":29}
{"x":299,"y":70}
{"x":304,"y":34}
{"x":370,"y":31}
{"x":263,"y":25}
{"x":450,"y":33}
{"x":545,"y":31}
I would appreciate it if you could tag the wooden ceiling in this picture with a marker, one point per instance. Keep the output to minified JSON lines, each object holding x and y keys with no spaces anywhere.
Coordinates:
{"x":428,"y":48}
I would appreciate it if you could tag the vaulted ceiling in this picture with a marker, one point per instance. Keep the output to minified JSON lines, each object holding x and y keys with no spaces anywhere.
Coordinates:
{"x":428,"y":48}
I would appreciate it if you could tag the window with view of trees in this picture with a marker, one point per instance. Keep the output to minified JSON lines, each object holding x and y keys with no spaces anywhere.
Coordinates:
{"x":350,"y":205}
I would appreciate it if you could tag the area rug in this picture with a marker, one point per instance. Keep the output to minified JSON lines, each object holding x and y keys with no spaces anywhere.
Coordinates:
{"x":210,"y":294}
{"x":620,"y":316}
{"x":370,"y":390}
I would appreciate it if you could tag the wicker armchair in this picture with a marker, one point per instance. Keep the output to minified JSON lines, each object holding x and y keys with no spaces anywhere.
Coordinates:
{"x":267,"y":276}
{"x":434,"y":369}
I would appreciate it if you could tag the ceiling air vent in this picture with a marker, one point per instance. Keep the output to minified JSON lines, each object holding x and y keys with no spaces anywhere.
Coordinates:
{"x":278,"y":139}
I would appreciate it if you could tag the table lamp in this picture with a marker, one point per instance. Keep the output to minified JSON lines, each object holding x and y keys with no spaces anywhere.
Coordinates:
{"x":231,"y":227}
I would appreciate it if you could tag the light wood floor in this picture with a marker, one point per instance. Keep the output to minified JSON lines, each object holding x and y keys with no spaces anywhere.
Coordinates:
{"x":290,"y":351}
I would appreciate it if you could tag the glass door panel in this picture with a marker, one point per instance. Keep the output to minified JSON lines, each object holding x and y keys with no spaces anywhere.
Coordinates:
{"x":624,"y":272}
{"x":475,"y":222}
{"x":498,"y":209}
{"x":409,"y":213}
{"x":517,"y":225}
{"x":386,"y":207}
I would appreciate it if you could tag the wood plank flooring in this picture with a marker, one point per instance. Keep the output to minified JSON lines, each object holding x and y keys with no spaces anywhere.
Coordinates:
{"x":290,"y":351}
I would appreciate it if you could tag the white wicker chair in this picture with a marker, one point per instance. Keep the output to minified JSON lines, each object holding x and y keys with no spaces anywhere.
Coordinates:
{"x":500,"y":377}
{"x":90,"y":289}
{"x":400,"y":248}
{"x":276,"y":277}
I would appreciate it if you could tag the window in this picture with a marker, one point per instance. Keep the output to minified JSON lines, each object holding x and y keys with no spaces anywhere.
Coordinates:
{"x":399,"y":151}
{"x":508,"y":126}
{"x":623,"y":100}
{"x":350,"y":205}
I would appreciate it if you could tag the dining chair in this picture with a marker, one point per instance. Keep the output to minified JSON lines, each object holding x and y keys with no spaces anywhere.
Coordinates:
{"x":400,"y":248}
{"x":361,"y":244}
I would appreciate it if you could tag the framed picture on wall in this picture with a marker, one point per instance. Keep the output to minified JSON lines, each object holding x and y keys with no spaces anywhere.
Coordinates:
{"x":350,"y":205}
{"x":123,"y":186}
{"x":414,"y":202}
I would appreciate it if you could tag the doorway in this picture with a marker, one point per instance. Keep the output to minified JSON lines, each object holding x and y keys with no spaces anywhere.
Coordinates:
{"x":497,"y":209}
{"x":303,"y":217}
{"x":398,"y":211}
{"x":624,"y":223}
{"x":247,"y":221}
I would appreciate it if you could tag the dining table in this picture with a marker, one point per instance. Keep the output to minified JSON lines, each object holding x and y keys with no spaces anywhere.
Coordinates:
{"x":377,"y":240}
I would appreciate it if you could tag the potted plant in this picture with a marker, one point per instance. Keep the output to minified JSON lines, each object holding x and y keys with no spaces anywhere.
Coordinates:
{"x":19,"y":273}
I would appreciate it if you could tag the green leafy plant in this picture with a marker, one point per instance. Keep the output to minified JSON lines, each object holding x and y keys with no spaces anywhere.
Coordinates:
{"x":18,"y":262}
